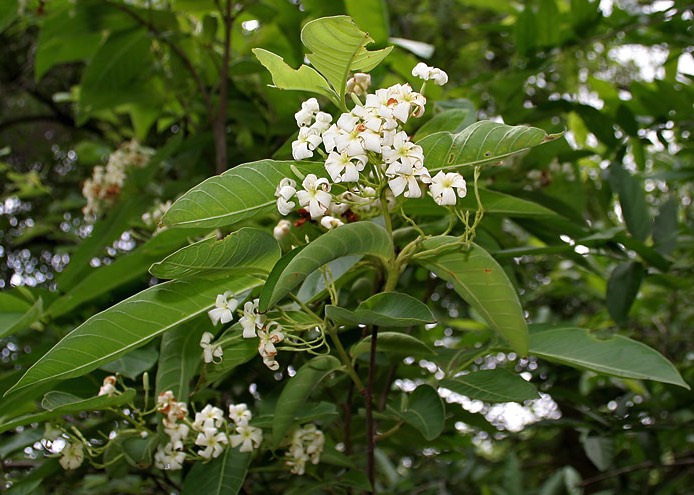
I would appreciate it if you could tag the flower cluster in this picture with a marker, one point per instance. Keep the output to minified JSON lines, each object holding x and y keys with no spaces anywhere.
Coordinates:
{"x":210,"y":432}
{"x":307,"y":445}
{"x":105,"y":185}
{"x":367,"y":152}
{"x":254,"y":324}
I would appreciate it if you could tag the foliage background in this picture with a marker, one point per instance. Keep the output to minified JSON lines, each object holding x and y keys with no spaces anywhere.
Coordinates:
{"x":74,"y":87}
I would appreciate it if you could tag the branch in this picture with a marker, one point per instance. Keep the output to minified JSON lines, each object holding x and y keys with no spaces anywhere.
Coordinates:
{"x":688,"y":461}
{"x":370,"y":426}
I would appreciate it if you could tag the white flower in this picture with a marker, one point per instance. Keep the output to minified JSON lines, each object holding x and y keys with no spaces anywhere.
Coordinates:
{"x":251,"y":319}
{"x":307,"y":445}
{"x":109,"y":386}
{"x":166,"y":403}
{"x":72,"y":456}
{"x":240,"y":414}
{"x":177,"y":432}
{"x":404,"y":151}
{"x":169,"y":457}
{"x":284,"y":192}
{"x":359,"y":83}
{"x":444,"y":186}
{"x":351,"y":165}
{"x":322,"y":122}
{"x":308,"y":110}
{"x":266,"y":346}
{"x":315,"y":196}
{"x":307,"y":141}
{"x":281,"y":229}
{"x":213,"y":440}
{"x":209,"y":351}
{"x":224,"y":308}
{"x":247,"y":436}
{"x":209,"y":417}
{"x":399,"y":181}
{"x":423,"y":71}
{"x":331,"y":222}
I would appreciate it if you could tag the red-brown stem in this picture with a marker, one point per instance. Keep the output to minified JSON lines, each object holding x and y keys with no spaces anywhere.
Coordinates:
{"x":370,"y":426}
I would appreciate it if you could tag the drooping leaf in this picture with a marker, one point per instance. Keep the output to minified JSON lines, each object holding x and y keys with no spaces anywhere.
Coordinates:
{"x":622,"y":288}
{"x":424,"y":412}
{"x":221,"y":476}
{"x":632,"y":199}
{"x":247,"y":251}
{"x":360,"y":238}
{"x":12,"y":322}
{"x":134,"y":363}
{"x":389,"y":309}
{"x":665,"y":228}
{"x":483,"y":284}
{"x":600,"y":451}
{"x":337,"y":48}
{"x":296,"y":392}
{"x":315,"y":282}
{"x":618,"y":356}
{"x":238,"y":194}
{"x":179,"y":357}
{"x":496,"y":385}
{"x":394,"y":344}
{"x":304,"y":78}
{"x":60,"y":403}
{"x":480,"y":143}
{"x":128,"y":325}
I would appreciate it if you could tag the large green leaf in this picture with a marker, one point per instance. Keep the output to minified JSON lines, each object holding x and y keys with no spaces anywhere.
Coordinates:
{"x":338,"y":48}
{"x":128,"y":325}
{"x":14,"y":321}
{"x":314,"y":284}
{"x":622,"y":288}
{"x":482,"y":142}
{"x":179,"y":357}
{"x":632,"y":199}
{"x":60,"y":403}
{"x":480,"y":281}
{"x":221,"y":476}
{"x":304,"y":78}
{"x":296,"y":393}
{"x":618,"y":356}
{"x":365,"y":238}
{"x":424,"y":412}
{"x":238,"y":194}
{"x":492,"y":386}
{"x":246,"y":250}
{"x":389,"y":309}
{"x":371,"y":16}
{"x":394,"y":344}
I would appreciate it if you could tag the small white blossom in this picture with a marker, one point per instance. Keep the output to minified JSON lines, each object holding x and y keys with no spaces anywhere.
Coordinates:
{"x":423,"y":71}
{"x":266,"y":346}
{"x":210,"y":352}
{"x":109,"y":386}
{"x":444,"y":186}
{"x":307,"y":445}
{"x":169,"y":457}
{"x":359,"y":83}
{"x":307,"y":141}
{"x":177,"y":432}
{"x":316,"y":195}
{"x":251,"y":319}
{"x":405,"y":182}
{"x":282,"y":229}
{"x":308,"y":109}
{"x":224,"y":308}
{"x":213,"y":440}
{"x":247,"y":436}
{"x":345,"y":168}
{"x":322,"y":123}
{"x":72,"y":455}
{"x":240,"y":414}
{"x":209,"y":417}
{"x":284,"y":192}
{"x":331,"y":222}
{"x":167,"y":404}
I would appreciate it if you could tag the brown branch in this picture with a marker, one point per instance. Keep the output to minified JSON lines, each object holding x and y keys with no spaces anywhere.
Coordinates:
{"x":636,"y":467}
{"x":220,"y":119}
{"x":370,"y":426}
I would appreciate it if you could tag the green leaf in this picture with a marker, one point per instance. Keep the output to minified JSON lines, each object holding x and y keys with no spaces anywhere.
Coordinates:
{"x":179,"y":357}
{"x":632,"y":199}
{"x":134,"y":363}
{"x":304,"y":78}
{"x":237,"y":351}
{"x":453,"y":120}
{"x":482,"y":142}
{"x":371,"y":16}
{"x":389,"y":309}
{"x":221,"y":476}
{"x":665,"y":228}
{"x":424,"y":412}
{"x":622,"y":288}
{"x":496,"y":385}
{"x":297,"y":391}
{"x":364,"y":238}
{"x":245,"y":251}
{"x":480,"y":281}
{"x":13,"y":322}
{"x":338,"y":48}
{"x":618,"y":356}
{"x":314,"y":284}
{"x":394,"y":344}
{"x":600,"y":451}
{"x":128,"y":325}
{"x":59,"y":403}
{"x":238,"y":194}
{"x":138,"y":451}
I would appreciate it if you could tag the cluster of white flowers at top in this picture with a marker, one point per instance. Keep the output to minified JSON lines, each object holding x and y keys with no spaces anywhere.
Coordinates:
{"x":210,"y":428}
{"x":254,"y":324}
{"x":105,"y":185}
{"x":307,"y":445}
{"x":371,"y":133}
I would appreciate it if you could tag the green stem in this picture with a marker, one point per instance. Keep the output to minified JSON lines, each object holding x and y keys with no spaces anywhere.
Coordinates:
{"x":349,"y":368}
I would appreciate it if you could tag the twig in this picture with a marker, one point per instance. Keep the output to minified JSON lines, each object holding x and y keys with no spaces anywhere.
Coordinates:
{"x":370,"y":426}
{"x":636,"y":467}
